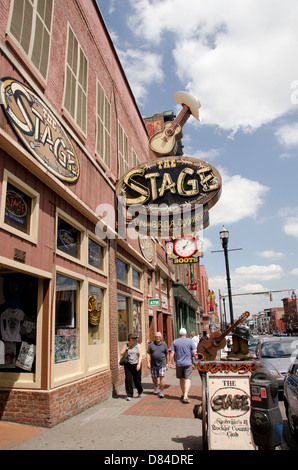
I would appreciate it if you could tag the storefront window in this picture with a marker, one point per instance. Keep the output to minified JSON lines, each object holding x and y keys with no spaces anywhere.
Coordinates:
{"x":95,"y":254}
{"x":68,"y":238}
{"x":18,"y":318}
{"x":67,"y":319}
{"x":95,"y":301}
{"x":17,"y":209}
{"x":122,"y":318}
{"x":135,"y":279}
{"x":137,"y":319}
{"x":121,"y":271}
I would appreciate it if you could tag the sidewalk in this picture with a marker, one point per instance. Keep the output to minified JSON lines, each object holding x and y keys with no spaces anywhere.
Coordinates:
{"x":147,"y":423}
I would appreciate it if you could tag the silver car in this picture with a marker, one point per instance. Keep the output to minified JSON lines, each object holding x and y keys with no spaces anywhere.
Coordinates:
{"x":276,"y":354}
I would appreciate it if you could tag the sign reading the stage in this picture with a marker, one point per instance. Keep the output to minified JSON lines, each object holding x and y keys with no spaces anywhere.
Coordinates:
{"x":171,"y":194}
{"x":39,"y":130}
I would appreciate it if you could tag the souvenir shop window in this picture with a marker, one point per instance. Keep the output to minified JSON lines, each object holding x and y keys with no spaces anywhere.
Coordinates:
{"x":122,"y":271}
{"x":68,"y":238}
{"x":18,"y":317}
{"x":95,"y":320}
{"x":67,"y":328}
{"x":95,"y":254}
{"x":122,"y":317}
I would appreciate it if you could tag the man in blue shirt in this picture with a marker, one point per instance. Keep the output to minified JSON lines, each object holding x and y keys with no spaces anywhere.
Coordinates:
{"x":184,"y":350}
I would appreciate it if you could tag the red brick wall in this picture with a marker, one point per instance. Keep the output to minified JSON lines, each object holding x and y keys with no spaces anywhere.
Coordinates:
{"x":46,"y":409}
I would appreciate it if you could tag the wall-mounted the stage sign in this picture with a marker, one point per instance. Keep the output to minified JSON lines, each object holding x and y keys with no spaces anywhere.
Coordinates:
{"x":171,"y":194}
{"x":39,"y":130}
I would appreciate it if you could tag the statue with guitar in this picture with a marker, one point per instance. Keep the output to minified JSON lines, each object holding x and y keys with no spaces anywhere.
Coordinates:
{"x":163,"y":142}
{"x":208,"y":349}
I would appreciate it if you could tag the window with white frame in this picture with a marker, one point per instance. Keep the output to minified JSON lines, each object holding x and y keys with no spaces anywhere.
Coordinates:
{"x":103,"y":126}
{"x":31,"y":26}
{"x":67,"y":324}
{"x":76,"y":81}
{"x":135,"y":159}
{"x":19,"y":208}
{"x":122,"y":151}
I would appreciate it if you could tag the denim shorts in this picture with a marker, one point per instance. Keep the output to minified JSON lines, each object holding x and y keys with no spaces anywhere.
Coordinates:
{"x":158,"y":372}
{"x":184,"y":372}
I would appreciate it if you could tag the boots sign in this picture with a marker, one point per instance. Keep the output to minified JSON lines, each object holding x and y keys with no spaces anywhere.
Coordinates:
{"x":170,"y":195}
{"x":39,"y":130}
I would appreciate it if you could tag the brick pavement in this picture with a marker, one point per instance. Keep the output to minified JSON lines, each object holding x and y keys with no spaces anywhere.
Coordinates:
{"x":169,"y":407}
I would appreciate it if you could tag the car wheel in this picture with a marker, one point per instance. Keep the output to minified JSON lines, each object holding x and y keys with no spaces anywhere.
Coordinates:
{"x":292,"y":428}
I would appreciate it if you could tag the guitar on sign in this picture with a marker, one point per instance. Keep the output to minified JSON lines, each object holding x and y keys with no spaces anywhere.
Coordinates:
{"x":163,"y":142}
{"x":208,"y":349}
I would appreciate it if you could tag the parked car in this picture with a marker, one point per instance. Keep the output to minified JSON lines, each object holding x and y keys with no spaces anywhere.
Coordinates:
{"x":276,"y":355}
{"x":291,"y":398}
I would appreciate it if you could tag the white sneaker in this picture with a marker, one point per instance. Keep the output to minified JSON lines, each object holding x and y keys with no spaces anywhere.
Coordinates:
{"x":161,"y":395}
{"x":156,"y":390}
{"x":128,"y":398}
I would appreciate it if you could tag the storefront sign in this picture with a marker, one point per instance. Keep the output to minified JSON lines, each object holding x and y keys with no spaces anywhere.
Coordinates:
{"x":170,"y":193}
{"x":39,"y":130}
{"x":229,"y":412}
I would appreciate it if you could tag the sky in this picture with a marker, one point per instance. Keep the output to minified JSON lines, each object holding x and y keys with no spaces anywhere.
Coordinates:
{"x":240,"y":60}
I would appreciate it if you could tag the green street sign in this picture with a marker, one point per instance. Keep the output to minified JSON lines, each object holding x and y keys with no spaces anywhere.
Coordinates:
{"x":153,"y":302}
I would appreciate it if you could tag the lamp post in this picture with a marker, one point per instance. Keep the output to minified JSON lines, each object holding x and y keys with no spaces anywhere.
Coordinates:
{"x":224,"y":236}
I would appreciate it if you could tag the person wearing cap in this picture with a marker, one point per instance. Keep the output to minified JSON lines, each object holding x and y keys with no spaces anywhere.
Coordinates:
{"x":133,"y":369}
{"x":184,"y":350}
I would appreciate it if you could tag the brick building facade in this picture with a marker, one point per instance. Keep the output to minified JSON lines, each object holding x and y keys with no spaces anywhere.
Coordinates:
{"x":70,"y":289}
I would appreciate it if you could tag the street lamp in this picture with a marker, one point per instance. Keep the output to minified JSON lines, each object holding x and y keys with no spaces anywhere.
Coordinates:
{"x":224,"y":236}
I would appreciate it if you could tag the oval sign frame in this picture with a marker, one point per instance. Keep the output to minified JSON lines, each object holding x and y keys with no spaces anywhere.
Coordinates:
{"x":166,"y":187}
{"x":39,"y":130}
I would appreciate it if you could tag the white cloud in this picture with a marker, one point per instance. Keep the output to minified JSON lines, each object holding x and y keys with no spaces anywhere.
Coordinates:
{"x":287,"y":135}
{"x":264,"y":273}
{"x":240,"y":198}
{"x":294,"y":272}
{"x":141,"y":68}
{"x":290,"y":220}
{"x":236,"y":57}
{"x":271,"y":254}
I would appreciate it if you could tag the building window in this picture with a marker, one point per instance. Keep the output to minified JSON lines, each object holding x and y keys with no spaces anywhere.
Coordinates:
{"x":95,"y":254}
{"x":76,"y":80}
{"x":122,"y":271}
{"x":95,"y":320}
{"x":135,"y":159}
{"x":19,"y":208}
{"x":122,"y":317}
{"x":137,"y":319}
{"x":18,"y":320}
{"x":67,"y":326}
{"x":103,"y":126}
{"x":122,"y":151}
{"x":68,"y":238}
{"x":31,"y":25}
{"x":136,"y":278}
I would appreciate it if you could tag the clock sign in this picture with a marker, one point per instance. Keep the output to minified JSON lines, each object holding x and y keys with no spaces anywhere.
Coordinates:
{"x":185,"y":246}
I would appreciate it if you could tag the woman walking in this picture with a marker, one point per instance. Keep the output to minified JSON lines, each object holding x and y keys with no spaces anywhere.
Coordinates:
{"x":133,"y":369}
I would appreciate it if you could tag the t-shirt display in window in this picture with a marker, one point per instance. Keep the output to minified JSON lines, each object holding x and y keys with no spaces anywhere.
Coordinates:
{"x":10,"y":323}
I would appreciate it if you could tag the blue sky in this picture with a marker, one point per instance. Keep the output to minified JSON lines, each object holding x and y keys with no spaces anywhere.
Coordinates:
{"x":240,"y":59}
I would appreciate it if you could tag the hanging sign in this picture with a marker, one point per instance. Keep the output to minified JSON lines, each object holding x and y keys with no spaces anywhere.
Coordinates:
{"x":39,"y":130}
{"x":169,"y":194}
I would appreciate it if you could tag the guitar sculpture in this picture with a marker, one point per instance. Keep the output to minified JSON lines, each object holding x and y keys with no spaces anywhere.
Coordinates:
{"x":208,"y":349}
{"x":163,"y":142}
